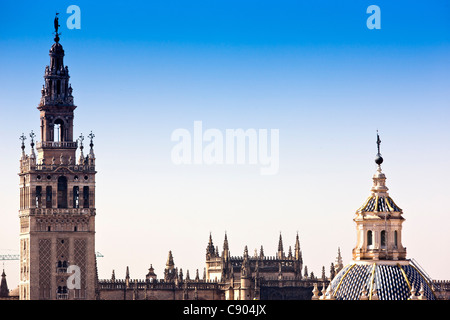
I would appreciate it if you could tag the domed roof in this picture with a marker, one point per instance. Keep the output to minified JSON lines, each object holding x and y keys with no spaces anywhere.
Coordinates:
{"x":379,"y":204}
{"x":388,"y":280}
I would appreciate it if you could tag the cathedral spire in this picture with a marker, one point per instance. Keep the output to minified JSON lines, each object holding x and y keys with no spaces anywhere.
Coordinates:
{"x":280,"y":253}
{"x":169,"y":262}
{"x":339,"y":265}
{"x":4,"y":292}
{"x":225,"y":242}
{"x":210,"y":251}
{"x":297,"y":251}
{"x":226,"y":249}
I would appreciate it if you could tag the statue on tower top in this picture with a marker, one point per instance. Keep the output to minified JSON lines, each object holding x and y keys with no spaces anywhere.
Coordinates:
{"x":56,"y":24}
{"x":378,"y":159}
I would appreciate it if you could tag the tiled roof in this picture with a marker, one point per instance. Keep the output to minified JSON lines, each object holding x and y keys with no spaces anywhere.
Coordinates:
{"x":380,"y":204}
{"x":392,"y":282}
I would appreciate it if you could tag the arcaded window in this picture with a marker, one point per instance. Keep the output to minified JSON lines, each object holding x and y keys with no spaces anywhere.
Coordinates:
{"x":369,"y":238}
{"x":395,"y":238}
{"x":383,"y":238}
{"x":85,"y":197}
{"x":62,"y":192}
{"x":59,"y":130}
{"x":48,"y":197}
{"x":76,"y":197}
{"x":38,"y":197}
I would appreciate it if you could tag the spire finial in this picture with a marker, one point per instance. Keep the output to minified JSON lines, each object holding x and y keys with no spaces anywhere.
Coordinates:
{"x":378,"y":159}
{"x":32,"y":135}
{"x":23,"y":138}
{"x":81,"y":139}
{"x":91,"y":136}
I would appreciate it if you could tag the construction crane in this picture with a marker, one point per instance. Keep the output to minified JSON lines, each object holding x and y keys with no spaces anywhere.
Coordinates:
{"x":17,"y":256}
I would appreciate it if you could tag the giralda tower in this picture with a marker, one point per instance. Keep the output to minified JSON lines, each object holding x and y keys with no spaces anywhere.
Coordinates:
{"x":57,"y":197}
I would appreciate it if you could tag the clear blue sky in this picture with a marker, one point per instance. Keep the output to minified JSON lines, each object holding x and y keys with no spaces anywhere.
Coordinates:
{"x":312,"y":69}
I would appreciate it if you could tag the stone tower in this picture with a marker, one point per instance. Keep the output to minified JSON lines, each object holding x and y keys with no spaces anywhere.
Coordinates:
{"x":57,"y":198}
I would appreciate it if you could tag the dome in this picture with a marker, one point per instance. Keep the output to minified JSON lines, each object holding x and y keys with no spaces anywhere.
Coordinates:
{"x":379,"y":204}
{"x":388,"y":280}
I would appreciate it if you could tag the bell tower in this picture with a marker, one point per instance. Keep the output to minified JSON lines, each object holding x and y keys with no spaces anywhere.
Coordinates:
{"x":56,"y":110}
{"x":57,"y":198}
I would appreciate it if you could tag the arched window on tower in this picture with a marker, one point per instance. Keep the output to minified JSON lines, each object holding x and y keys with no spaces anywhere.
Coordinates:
{"x":76,"y":197}
{"x":383,"y":238}
{"x":48,"y":197}
{"x":59,"y":130}
{"x":395,"y":238}
{"x":62,"y":192}
{"x":38,"y":197}
{"x":369,"y":238}
{"x":85,"y":197}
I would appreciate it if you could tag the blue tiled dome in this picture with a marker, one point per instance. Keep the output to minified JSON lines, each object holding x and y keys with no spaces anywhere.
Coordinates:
{"x":379,"y":204}
{"x":391,"y":281}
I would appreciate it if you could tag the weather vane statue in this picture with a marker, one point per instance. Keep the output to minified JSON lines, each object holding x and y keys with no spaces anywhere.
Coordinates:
{"x":378,"y":159}
{"x":56,"y":24}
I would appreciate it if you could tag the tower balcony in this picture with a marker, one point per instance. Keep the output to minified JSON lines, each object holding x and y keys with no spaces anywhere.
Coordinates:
{"x":62,"y":296}
{"x":57,"y":144}
{"x":53,"y":211}
{"x":394,"y":253}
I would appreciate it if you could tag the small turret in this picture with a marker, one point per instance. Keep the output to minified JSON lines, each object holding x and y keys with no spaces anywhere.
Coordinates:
{"x":151,"y":276}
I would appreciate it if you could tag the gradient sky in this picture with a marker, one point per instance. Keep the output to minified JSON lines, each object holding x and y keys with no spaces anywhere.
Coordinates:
{"x":312,"y":69}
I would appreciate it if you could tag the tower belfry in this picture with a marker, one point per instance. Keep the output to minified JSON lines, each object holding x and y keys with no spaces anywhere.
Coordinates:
{"x":57,"y":197}
{"x":56,"y":109}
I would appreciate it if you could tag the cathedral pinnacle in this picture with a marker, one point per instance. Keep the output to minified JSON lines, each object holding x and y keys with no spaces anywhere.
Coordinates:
{"x":91,"y":136}
{"x":23,"y":138}
{"x":81,"y":159}
{"x":210,"y":251}
{"x":225,"y":243}
{"x":169,"y":262}
{"x":32,"y":135}
{"x":280,"y":248}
